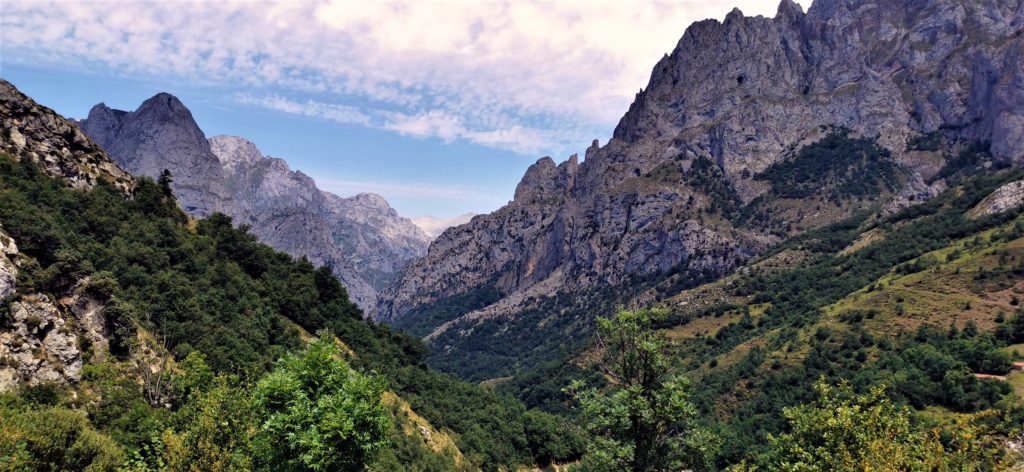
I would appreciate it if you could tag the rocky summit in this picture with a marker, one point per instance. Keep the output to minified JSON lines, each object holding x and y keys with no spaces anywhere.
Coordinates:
{"x":362,"y":239}
{"x":161,"y":134}
{"x":39,"y":133}
{"x":738,"y":141}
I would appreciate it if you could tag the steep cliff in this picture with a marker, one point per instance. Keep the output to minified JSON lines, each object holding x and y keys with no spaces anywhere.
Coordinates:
{"x":161,"y":134}
{"x":752,"y":129}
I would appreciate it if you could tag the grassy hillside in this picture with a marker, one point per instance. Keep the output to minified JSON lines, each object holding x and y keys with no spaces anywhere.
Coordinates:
{"x":918,"y":301}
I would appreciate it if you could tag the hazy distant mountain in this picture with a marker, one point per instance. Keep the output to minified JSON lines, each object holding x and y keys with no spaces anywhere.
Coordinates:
{"x":363,"y":240}
{"x":434,"y":226}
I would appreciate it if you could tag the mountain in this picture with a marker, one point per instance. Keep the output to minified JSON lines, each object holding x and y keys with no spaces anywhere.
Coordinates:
{"x":161,"y":134}
{"x":132,"y":336}
{"x":751,"y":131}
{"x":362,"y":239}
{"x":32,"y":130}
{"x":34,"y":341}
{"x":434,"y":226}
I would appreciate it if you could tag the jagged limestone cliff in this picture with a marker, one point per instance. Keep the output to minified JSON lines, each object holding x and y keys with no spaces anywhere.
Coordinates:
{"x":700,"y":172}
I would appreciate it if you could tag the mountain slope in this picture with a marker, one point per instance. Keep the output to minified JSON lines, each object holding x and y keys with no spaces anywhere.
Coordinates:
{"x":361,"y":238}
{"x":141,"y":333}
{"x":57,"y":145}
{"x":750,"y":131}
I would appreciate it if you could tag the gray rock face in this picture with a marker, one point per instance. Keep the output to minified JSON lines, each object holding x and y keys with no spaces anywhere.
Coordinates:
{"x":285,"y":210}
{"x":8,"y":268}
{"x":738,"y":93}
{"x":361,"y":238}
{"x":38,"y":346}
{"x":161,"y":134}
{"x":1007,"y":197}
{"x":373,"y":235}
{"x":58,"y":146}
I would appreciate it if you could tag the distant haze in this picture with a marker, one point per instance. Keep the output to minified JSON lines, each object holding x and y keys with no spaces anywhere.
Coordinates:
{"x":434,"y":226}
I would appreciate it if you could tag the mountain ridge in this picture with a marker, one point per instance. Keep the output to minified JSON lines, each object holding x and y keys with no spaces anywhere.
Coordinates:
{"x":697,"y":177}
{"x":283,"y":207}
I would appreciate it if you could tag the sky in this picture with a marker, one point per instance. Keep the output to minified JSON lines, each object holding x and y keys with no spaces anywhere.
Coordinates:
{"x":439,"y":106}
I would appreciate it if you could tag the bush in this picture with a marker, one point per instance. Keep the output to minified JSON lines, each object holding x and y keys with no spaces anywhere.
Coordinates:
{"x":54,"y":438}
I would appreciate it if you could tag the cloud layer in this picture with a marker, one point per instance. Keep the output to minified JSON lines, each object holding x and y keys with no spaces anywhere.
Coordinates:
{"x":527,"y":76}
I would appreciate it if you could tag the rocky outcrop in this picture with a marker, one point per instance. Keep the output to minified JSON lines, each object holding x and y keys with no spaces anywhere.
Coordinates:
{"x":1007,"y":197}
{"x":39,"y":340}
{"x":913,"y":192}
{"x":8,"y":268}
{"x":37,"y":132}
{"x":37,"y":345}
{"x":161,"y":134}
{"x":741,"y":94}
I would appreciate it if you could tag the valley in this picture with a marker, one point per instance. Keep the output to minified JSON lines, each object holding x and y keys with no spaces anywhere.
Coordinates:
{"x":801,"y":249}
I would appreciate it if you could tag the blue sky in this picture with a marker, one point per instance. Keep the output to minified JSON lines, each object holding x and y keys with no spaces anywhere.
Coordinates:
{"x":439,"y":106}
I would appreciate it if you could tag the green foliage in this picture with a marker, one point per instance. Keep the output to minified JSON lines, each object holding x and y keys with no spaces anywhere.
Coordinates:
{"x":971,"y":156}
{"x":845,"y":431}
{"x":54,"y":439}
{"x":551,"y":439}
{"x":853,"y":168}
{"x":926,"y":142}
{"x":212,"y":430}
{"x":425,"y":319}
{"x":643,"y":421}
{"x":316,"y":413}
{"x":216,"y":294}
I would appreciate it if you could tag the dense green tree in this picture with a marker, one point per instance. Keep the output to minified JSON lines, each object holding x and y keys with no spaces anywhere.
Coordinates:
{"x":54,"y":439}
{"x":164,"y":181}
{"x":317,"y":413}
{"x":643,"y":421}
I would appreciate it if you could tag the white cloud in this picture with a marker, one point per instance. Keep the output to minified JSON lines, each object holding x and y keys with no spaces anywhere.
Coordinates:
{"x":482,"y":71}
{"x":339,"y":113}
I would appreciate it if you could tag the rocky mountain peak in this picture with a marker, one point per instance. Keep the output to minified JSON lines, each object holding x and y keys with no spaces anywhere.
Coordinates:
{"x":732,"y":99}
{"x":364,"y":241}
{"x":789,"y":9}
{"x":162,"y":134}
{"x":372,"y":200}
{"x":234,"y":151}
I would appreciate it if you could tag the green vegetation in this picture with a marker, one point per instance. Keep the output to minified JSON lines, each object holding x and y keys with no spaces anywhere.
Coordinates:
{"x":926,"y":142}
{"x":643,"y":421}
{"x":241,"y":385}
{"x":851,"y":168}
{"x":423,"y":320}
{"x":206,"y":290}
{"x":843,"y":430}
{"x":316,"y":413}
